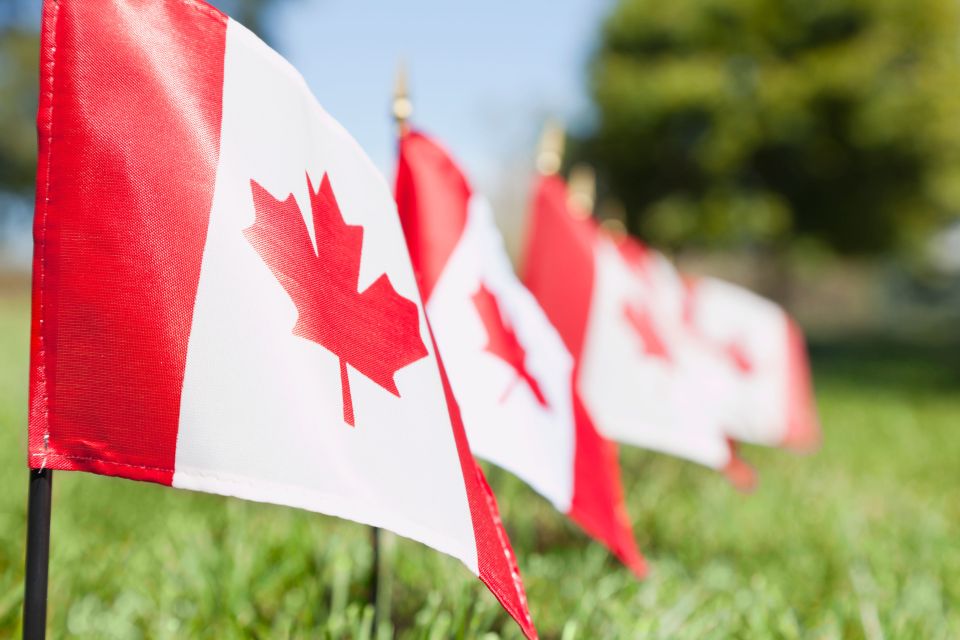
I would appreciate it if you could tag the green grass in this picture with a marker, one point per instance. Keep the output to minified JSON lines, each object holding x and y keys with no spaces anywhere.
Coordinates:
{"x":857,"y":541}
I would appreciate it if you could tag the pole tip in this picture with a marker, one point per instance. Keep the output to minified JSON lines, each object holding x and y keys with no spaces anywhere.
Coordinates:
{"x":615,"y":227}
{"x":613,"y":216}
{"x":402,"y":106}
{"x":550,"y":149}
{"x":582,"y":187}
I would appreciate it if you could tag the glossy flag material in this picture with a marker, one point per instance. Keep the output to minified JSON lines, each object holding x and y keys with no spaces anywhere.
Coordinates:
{"x":510,"y":371}
{"x":223,"y":298}
{"x":641,"y":376}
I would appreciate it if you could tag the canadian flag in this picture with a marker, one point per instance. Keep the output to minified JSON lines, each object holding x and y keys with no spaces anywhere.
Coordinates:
{"x":223,"y":298}
{"x":744,"y":353}
{"x":775,"y":405}
{"x":640,"y":375}
{"x":510,"y":371}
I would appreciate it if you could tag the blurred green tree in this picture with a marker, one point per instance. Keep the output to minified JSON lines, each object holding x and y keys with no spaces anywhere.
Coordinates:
{"x":730,"y":122}
{"x":19,"y":58}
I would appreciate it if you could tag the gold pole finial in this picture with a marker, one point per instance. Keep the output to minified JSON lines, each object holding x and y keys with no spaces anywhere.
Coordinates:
{"x":550,"y":149}
{"x":615,"y":227}
{"x":402,"y":106}
{"x":582,"y":187}
{"x":613,"y":217}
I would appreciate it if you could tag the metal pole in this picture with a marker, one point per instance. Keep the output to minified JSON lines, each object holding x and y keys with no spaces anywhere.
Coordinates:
{"x":38,"y":555}
{"x":375,"y":576}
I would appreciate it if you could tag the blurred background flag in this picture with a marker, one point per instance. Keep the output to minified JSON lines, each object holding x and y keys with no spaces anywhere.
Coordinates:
{"x":769,"y":356}
{"x":700,"y":383}
{"x":510,"y":371}
{"x":640,"y":380}
{"x":740,"y":350}
{"x":240,"y":317}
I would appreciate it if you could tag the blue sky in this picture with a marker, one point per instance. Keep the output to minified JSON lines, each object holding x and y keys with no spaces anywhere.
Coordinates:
{"x":482,"y":75}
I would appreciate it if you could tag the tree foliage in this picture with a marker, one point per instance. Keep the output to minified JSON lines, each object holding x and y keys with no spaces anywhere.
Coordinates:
{"x":731,"y":121}
{"x":19,"y":55}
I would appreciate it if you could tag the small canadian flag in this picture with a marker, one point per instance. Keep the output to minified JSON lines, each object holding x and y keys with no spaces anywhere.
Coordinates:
{"x":696,"y":386}
{"x":775,"y":404}
{"x":647,"y":367}
{"x":625,"y":363}
{"x":510,"y":370}
{"x":741,"y":356}
{"x":223,"y":298}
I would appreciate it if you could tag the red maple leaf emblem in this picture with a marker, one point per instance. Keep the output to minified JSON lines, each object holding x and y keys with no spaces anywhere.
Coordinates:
{"x":376,"y":331}
{"x":641,"y":322}
{"x":734,"y":351}
{"x":502,"y":341}
{"x":737,"y":353}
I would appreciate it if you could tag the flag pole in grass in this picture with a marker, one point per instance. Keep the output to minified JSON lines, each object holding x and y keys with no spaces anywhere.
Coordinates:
{"x":38,"y":554}
{"x":379,"y":580}
{"x":375,"y":564}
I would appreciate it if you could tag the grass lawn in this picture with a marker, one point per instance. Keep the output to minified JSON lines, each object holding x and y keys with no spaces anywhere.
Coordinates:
{"x":861,"y":540}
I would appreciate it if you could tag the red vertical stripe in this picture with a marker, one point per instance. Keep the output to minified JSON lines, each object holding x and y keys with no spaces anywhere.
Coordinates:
{"x":598,"y":504}
{"x":129,"y":127}
{"x":803,"y":427}
{"x":558,"y":268}
{"x":558,"y":261}
{"x":432,"y":198}
{"x":559,"y":271}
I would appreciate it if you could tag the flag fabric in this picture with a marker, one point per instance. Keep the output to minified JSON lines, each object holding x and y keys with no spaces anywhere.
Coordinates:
{"x":510,"y":371}
{"x":223,"y":298}
{"x":746,"y":350}
{"x":706,"y":381}
{"x":775,"y":404}
{"x":641,"y":377}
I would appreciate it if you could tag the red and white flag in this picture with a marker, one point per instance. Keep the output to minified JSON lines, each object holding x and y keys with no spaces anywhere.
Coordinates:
{"x":775,"y":405}
{"x":223,"y":298}
{"x":510,"y":371}
{"x":743,"y":353}
{"x":640,"y":377}
{"x":704,"y":381}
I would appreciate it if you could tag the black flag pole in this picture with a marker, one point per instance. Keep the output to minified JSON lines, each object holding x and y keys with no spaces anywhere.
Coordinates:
{"x":375,"y":576}
{"x":381,"y":580}
{"x":38,"y":554}
{"x":379,"y":572}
